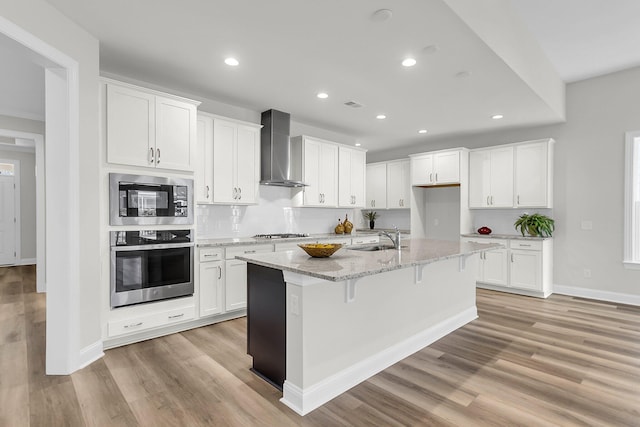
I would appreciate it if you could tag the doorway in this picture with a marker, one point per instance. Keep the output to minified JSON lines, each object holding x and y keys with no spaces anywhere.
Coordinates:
{"x":9,"y":211}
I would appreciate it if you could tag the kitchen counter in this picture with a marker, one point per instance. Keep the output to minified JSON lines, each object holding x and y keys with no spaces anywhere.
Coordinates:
{"x":261,"y":241}
{"x":351,"y":264}
{"x":505,"y":236}
{"x":318,"y":326}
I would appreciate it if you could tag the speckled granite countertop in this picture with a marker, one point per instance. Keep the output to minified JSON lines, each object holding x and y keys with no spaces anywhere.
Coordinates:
{"x":504,"y":236}
{"x":262,"y":241}
{"x":351,"y":264}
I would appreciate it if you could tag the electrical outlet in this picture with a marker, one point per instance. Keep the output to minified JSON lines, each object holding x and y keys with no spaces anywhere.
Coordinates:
{"x":587,"y":273}
{"x":295,"y":305}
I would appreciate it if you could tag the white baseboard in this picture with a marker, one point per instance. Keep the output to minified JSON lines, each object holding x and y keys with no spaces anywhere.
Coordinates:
{"x":306,"y":400}
{"x":596,"y":294}
{"x":90,"y":354}
{"x":27,"y":261}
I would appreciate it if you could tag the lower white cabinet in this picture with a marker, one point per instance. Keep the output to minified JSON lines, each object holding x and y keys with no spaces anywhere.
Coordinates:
{"x":236,"y":275}
{"x":211,"y":280}
{"x":522,"y":266}
{"x":150,"y":320}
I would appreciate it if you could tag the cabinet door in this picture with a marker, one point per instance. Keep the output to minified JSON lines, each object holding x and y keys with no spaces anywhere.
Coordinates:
{"x":211,"y":280}
{"x":422,"y":170}
{"x":376,"y":186}
{"x":235,"y":285}
{"x":175,"y":134}
{"x":495,"y":267}
{"x":358,"y":178}
{"x":131,"y":131}
{"x":312,"y":164}
{"x":224,"y":143}
{"x":479,"y":179}
{"x":398,"y":187}
{"x":248,"y":164}
{"x":526,"y":267}
{"x":203,"y":176}
{"x":447,"y":167}
{"x":531,"y":175}
{"x":501,"y":195}
{"x":328,"y":174}
{"x":345,"y":194}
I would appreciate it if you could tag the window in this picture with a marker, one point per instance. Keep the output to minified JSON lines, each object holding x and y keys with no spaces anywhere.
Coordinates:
{"x":632,"y":201}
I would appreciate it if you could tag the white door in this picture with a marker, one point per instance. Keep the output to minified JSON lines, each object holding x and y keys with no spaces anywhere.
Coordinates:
{"x":247,"y":164}
{"x":422,"y":170}
{"x":175,"y":134}
{"x":531,"y":175}
{"x":236,"y":285}
{"x":224,"y":142}
{"x":328,"y":174}
{"x":525,"y":269}
{"x":447,"y":167}
{"x":479,"y":179}
{"x":502,"y":177}
{"x":376,"y":186}
{"x":7,"y":221}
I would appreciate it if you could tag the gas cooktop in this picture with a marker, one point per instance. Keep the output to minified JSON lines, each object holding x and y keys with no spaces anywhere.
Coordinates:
{"x":279,"y":236}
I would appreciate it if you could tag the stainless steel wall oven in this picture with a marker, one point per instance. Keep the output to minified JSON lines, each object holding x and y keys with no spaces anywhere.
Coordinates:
{"x":150,"y":265}
{"x":149,"y":200}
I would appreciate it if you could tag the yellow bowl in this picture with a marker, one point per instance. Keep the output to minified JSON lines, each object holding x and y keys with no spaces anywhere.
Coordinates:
{"x":320,"y":250}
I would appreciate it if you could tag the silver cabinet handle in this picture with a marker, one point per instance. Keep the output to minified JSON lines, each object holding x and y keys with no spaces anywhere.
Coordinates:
{"x":239,"y":193}
{"x":323,"y":198}
{"x":250,"y":252}
{"x":210,"y":255}
{"x":511,"y":256}
{"x":436,"y":176}
{"x":522,"y":244}
{"x":207,"y":187}
{"x":431,"y":177}
{"x":518,"y":199}
{"x":492,"y":200}
{"x":235,"y":193}
{"x":176,"y":316}
{"x":488,"y":201}
{"x":157,"y":156}
{"x":219,"y":272}
{"x":133,"y":325}
{"x":151,"y":157}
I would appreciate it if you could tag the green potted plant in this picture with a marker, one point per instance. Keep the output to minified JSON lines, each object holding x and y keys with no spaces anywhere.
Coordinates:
{"x":535,"y":225}
{"x":371,"y":216}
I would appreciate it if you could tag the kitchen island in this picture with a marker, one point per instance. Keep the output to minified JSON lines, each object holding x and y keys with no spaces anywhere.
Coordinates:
{"x":319,"y":326}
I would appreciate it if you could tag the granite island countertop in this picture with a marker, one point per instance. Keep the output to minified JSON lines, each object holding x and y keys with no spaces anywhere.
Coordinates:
{"x":348,"y":264}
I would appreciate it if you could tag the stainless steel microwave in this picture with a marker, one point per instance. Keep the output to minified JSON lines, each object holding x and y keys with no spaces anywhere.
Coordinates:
{"x":149,"y":200}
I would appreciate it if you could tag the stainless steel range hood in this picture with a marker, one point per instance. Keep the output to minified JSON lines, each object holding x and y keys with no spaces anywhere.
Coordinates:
{"x":279,"y":164}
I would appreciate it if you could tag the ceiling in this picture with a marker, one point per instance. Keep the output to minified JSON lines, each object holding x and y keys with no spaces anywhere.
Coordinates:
{"x":289,"y":50}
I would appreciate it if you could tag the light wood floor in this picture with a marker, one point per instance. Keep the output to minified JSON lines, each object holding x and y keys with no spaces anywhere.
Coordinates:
{"x":561,"y":361}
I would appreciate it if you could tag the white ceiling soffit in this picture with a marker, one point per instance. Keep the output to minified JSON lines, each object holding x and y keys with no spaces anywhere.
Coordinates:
{"x":289,"y":50}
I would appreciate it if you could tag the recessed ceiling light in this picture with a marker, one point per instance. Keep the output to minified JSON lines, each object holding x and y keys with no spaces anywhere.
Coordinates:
{"x":463,"y":74}
{"x":381,"y":117}
{"x":381,"y":15}
{"x":322,"y":95}
{"x":232,"y":62}
{"x":497,"y":116}
{"x":409,"y":62}
{"x":422,"y":131}
{"x":358,"y":144}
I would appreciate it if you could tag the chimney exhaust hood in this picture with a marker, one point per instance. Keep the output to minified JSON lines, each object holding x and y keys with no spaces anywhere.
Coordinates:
{"x":280,"y":163}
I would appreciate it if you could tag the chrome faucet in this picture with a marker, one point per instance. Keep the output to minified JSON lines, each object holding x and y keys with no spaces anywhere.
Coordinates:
{"x":395,"y":240}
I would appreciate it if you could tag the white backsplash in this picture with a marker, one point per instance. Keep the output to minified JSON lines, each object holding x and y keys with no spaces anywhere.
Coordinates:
{"x":391,"y":218}
{"x":500,"y":221}
{"x":274,"y":213}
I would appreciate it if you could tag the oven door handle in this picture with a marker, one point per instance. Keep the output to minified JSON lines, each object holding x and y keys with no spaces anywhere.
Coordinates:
{"x":151,"y":247}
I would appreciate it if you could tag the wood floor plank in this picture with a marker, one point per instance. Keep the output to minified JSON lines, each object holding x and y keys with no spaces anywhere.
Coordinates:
{"x":561,"y":361}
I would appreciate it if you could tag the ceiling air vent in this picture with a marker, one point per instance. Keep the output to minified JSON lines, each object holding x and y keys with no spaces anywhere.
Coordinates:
{"x":353,"y":104}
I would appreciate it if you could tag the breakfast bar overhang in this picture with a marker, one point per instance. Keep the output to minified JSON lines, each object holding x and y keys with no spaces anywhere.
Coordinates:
{"x":319,"y":326}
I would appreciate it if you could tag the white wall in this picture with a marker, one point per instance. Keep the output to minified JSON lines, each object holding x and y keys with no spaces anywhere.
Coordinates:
{"x":46,"y":23}
{"x":589,"y":178}
{"x":27,"y":202}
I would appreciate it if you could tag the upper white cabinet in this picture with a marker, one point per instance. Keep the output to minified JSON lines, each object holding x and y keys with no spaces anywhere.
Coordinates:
{"x":203,"y":177}
{"x":491,"y":178}
{"x":236,"y":162}
{"x":319,"y":171}
{"x":149,"y":129}
{"x":440,"y":168}
{"x":512,"y":175}
{"x":351,"y":177}
{"x":533,"y":183}
{"x":376,"y":186}
{"x":398,"y":184}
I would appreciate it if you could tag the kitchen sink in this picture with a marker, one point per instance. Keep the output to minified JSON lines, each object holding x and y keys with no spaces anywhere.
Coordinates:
{"x":372,"y":248}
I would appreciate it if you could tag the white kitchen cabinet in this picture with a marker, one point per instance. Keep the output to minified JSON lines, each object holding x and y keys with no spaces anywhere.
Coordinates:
{"x":203,"y":176}
{"x":524,"y":266}
{"x":533,"y":168}
{"x":319,"y":171}
{"x":236,"y":162}
{"x":376,"y":186}
{"x":491,"y":178}
{"x":236,"y":275}
{"x":149,"y":320}
{"x":398,"y":184}
{"x":439,"y":168}
{"x":366,"y":239}
{"x":149,"y":129}
{"x":351,"y":177}
{"x":211,"y":281}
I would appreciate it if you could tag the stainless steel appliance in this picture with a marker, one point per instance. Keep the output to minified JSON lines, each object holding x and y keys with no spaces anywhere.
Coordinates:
{"x":149,"y":200}
{"x":150,"y":265}
{"x":280,"y":162}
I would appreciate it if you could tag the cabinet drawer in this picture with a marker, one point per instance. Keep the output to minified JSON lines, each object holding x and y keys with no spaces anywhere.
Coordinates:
{"x":211,"y":254}
{"x":533,"y":245}
{"x":151,"y":320}
{"x":232,"y":252}
{"x":365,"y":239}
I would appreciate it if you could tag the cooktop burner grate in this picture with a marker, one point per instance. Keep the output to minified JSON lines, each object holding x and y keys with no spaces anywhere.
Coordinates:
{"x":279,"y":236}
